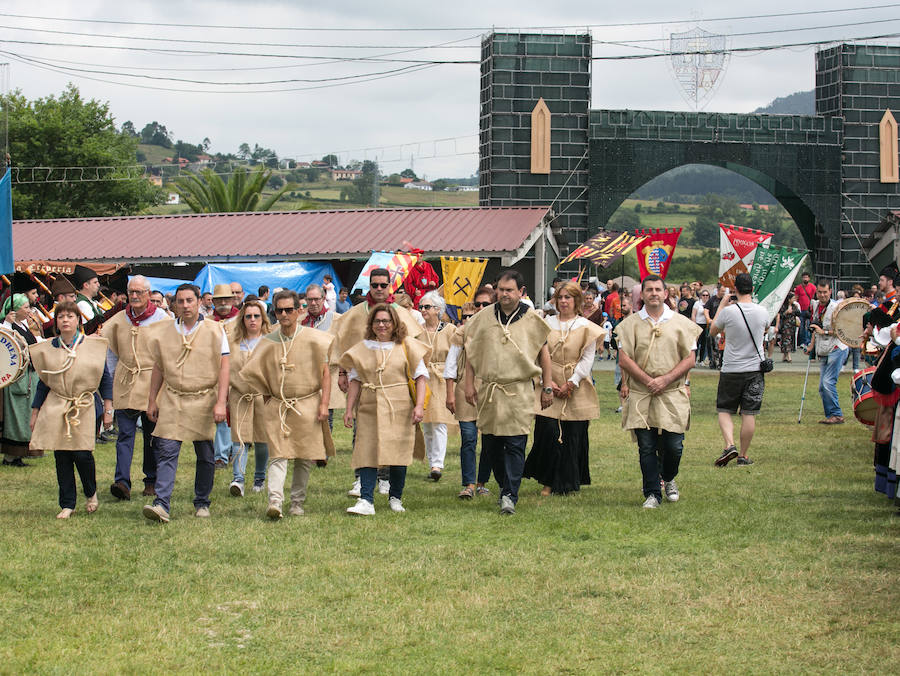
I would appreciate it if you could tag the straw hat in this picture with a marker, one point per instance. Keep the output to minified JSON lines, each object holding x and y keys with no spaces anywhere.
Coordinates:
{"x":222,"y":291}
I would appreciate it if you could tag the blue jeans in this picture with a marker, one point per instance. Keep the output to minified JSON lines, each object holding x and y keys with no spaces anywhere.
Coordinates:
{"x":660,"y":452}
{"x":508,"y":457}
{"x":223,"y":442}
{"x":240,"y":461}
{"x":855,"y":354}
{"x":468,"y":431}
{"x":830,"y":367}
{"x":803,"y":330}
{"x":126,"y":421}
{"x":167,"y":451}
{"x":367,"y":476}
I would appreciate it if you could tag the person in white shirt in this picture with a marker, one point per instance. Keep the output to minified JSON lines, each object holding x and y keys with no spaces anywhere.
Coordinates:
{"x":830,"y":351}
{"x":699,"y":317}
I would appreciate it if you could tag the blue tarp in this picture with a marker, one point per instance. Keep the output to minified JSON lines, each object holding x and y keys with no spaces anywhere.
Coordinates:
{"x":164,"y":284}
{"x":293,"y":276}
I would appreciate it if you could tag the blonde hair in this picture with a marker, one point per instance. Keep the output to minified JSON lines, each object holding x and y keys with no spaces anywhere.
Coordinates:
{"x":573,"y":290}
{"x":240,"y":330}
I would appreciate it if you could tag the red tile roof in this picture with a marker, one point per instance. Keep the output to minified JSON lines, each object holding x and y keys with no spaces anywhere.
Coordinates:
{"x":277,"y":235}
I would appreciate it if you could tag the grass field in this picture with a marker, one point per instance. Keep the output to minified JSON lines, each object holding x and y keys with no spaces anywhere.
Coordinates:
{"x":787,"y":566}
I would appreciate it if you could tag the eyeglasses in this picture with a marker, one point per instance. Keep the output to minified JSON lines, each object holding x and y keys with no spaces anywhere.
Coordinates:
{"x":379,"y":285}
{"x":284,"y":310}
{"x":465,"y":317}
{"x":237,"y":293}
{"x":303,"y":306}
{"x":252,"y":316}
{"x":313,"y":300}
{"x":425,"y":307}
{"x":704,"y":295}
{"x":481,"y":304}
{"x":137,"y":292}
{"x":382,"y":321}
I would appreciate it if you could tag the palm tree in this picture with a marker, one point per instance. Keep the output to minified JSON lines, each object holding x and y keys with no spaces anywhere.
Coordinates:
{"x":207,"y":193}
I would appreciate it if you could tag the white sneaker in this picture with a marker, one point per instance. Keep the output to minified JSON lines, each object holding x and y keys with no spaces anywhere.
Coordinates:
{"x":202,"y":512}
{"x":257,"y":487}
{"x":671,"y":491}
{"x":236,"y":489}
{"x":651,"y":502}
{"x":355,"y":491}
{"x":396,"y":505}
{"x":362,"y":508}
{"x":507,"y":506}
{"x":384,"y":486}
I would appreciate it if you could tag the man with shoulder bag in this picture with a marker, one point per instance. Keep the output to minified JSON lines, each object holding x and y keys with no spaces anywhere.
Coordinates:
{"x":741,"y":382}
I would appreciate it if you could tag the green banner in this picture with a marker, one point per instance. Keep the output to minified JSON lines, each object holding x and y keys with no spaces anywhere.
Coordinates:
{"x":773,"y":274}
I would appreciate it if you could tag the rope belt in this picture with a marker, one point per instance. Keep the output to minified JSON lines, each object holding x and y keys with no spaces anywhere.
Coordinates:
{"x":183,"y":393}
{"x":645,"y":395}
{"x":73,"y":404}
{"x":286,"y":404}
{"x":248,"y":400}
{"x":130,"y":373}
{"x":491,"y":388}
{"x":568,"y":370}
{"x":381,"y":386}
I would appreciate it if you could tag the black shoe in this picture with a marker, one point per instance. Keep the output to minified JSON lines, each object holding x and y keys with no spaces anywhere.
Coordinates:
{"x":744,"y":461}
{"x":120,"y":491}
{"x":727,"y":456}
{"x":15,"y":462}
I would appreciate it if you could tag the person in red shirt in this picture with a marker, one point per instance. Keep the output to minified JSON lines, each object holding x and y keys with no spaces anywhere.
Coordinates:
{"x":612,"y":305}
{"x":806,"y":293}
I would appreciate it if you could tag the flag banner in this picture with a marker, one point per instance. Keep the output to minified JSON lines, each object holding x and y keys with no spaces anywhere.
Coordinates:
{"x":773,"y":274}
{"x":462,"y":277}
{"x":397,"y":263}
{"x":655,"y":251}
{"x":604,"y":248}
{"x":7,"y":264}
{"x":737,"y":250}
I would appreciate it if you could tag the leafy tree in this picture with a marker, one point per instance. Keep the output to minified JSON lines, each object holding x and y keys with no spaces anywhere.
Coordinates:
{"x":394,"y":179}
{"x":188,"y":150}
{"x":275,"y":182}
{"x":70,"y":132}
{"x":331,"y":160}
{"x":207,"y":193}
{"x":440,"y":184}
{"x":624,"y":219}
{"x":409,"y":173}
{"x":206,"y":143}
{"x":364,"y":190}
{"x":129,"y":130}
{"x":156,"y":134}
{"x":244,"y":151}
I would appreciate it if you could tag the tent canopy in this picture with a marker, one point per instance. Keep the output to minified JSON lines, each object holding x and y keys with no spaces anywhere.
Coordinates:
{"x":292,"y":276}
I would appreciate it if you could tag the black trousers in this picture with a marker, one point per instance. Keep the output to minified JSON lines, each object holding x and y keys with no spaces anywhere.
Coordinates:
{"x":66,"y":464}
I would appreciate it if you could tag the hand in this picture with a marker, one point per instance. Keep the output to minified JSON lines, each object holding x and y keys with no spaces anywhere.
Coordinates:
{"x":153,"y":411}
{"x":624,"y":392}
{"x":657,"y":385}
{"x":816,"y":328}
{"x":546,"y":399}
{"x":343,"y":383}
{"x":107,"y":419}
{"x":34,"y":415}
{"x":219,"y":412}
{"x":348,"y":419}
{"x":471,"y":396}
{"x":451,"y":405}
{"x":322,"y":415}
{"x":418,"y":414}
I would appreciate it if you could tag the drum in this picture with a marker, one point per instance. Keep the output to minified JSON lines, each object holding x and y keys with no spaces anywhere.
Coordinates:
{"x":864,"y":405}
{"x":13,"y":357}
{"x":847,"y":320}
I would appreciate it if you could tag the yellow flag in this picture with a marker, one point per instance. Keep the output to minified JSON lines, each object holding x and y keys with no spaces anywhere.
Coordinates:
{"x":462,"y":276}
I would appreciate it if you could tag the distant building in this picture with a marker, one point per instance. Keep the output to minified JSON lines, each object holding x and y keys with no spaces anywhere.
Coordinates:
{"x":203,"y":159}
{"x":419,"y":185}
{"x":173,"y":198}
{"x":345,"y":174}
{"x":155,"y":180}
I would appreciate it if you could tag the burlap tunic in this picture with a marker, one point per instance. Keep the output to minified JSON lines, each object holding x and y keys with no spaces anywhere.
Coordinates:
{"x":505,"y":358}
{"x":244,"y":406}
{"x":190,"y":380}
{"x":131,"y":383}
{"x":291,"y":394}
{"x":349,"y":328}
{"x":385,"y":434}
{"x":565,"y":351}
{"x":67,"y":419}
{"x":657,"y":350}
{"x":465,"y":412}
{"x":439,"y":345}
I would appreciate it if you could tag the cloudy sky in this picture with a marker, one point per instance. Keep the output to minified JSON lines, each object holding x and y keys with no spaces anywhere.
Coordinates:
{"x":240,"y":71}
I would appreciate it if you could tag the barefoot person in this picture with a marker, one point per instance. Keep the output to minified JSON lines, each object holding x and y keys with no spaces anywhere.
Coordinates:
{"x":71,"y":367}
{"x":188,"y":396}
{"x":656,"y":351}
{"x":378,"y":397}
{"x":289,"y":368}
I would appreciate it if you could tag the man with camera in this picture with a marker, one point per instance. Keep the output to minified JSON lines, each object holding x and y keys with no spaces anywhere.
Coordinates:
{"x":741,"y":381}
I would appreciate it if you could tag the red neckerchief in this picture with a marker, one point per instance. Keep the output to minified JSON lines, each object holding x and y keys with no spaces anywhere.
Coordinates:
{"x":233,"y":313}
{"x":821,"y":311}
{"x":310,"y":319}
{"x":146,"y":314}
{"x":372,"y":303}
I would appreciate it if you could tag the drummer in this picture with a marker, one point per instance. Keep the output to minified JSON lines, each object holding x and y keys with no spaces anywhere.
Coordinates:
{"x":18,"y":394}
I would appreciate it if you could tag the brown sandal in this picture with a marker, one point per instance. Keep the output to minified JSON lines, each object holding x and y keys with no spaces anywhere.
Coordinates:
{"x":467,"y":493}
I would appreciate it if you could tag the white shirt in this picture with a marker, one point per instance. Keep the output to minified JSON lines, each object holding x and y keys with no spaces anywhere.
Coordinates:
{"x":586,"y":361}
{"x":421,"y":370}
{"x":179,"y":326}
{"x":666,"y":315}
{"x":158,"y":315}
{"x":450,"y":370}
{"x":700,"y":316}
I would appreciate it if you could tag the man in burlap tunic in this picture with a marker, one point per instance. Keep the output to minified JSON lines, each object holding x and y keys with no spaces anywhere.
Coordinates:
{"x":188,"y":396}
{"x":129,"y":357}
{"x":504,"y":345}
{"x":656,"y":351}
{"x":289,"y":368}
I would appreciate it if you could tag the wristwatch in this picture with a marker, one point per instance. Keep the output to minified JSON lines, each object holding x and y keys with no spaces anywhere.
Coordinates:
{"x":547,"y":390}
{"x":108,"y":411}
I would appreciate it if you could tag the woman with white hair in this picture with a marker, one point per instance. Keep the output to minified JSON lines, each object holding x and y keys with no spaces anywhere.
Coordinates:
{"x":437,"y":336}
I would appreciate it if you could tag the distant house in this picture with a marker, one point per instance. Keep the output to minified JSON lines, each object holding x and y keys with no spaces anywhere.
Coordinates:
{"x":345,"y":174}
{"x":319,"y":163}
{"x":749,"y":207}
{"x":286,"y":163}
{"x":462,"y":188}
{"x":173,"y":198}
{"x":182,"y":161}
{"x":405,"y":179}
{"x":301,"y":165}
{"x":203,"y":159}
{"x":419,"y":185}
{"x":155,"y":180}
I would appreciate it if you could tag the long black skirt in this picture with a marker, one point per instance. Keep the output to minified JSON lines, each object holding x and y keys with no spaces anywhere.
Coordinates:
{"x":562,"y":466}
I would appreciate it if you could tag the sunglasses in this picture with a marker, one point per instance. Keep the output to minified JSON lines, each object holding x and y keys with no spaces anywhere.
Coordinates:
{"x":252,"y":316}
{"x":481,"y":304}
{"x":465,"y":317}
{"x":425,"y":307}
{"x":284,"y":310}
{"x":379,"y":285}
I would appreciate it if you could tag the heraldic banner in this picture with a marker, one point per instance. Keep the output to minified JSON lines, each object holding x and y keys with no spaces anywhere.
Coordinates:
{"x":7,"y":265}
{"x":773,"y":274}
{"x":462,"y":277}
{"x":654,"y":252}
{"x":737,"y":249}
{"x":397,"y":263}
{"x":604,"y":248}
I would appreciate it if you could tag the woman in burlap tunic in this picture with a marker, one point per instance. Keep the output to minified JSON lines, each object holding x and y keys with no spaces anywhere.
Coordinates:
{"x":437,"y":336}
{"x":379,"y":398}
{"x":289,"y":368}
{"x":71,"y":367}
{"x":245,"y":407}
{"x":559,"y":452}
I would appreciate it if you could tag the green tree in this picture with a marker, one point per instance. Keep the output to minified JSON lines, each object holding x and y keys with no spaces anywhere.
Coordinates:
{"x":364,"y":190}
{"x":409,"y":173}
{"x":156,"y":134}
{"x":207,"y":192}
{"x":625,"y":219}
{"x":129,"y":130}
{"x":331,"y":160}
{"x":70,"y":132}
